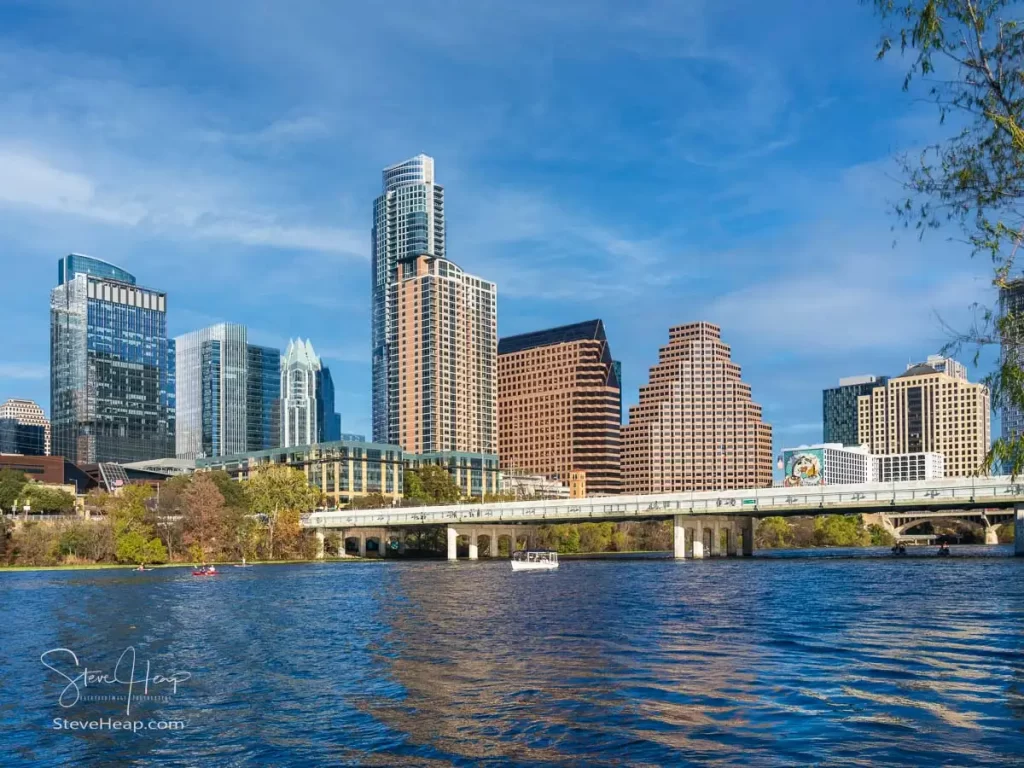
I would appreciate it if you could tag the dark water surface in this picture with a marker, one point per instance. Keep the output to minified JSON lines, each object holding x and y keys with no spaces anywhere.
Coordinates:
{"x":766,"y":661}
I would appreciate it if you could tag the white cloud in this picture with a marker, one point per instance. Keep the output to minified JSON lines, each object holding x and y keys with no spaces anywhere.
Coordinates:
{"x":23,"y":371}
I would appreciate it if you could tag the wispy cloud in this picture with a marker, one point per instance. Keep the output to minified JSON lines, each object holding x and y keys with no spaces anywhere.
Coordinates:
{"x":29,"y":371}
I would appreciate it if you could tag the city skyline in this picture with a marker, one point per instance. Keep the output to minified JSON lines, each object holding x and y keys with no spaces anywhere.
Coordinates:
{"x":778,"y":233}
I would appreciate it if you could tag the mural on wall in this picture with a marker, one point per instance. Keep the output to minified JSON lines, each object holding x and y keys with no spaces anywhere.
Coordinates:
{"x":804,"y":466}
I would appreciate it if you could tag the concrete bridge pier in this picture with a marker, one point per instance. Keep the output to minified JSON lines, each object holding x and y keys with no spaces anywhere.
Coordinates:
{"x":320,"y":537}
{"x":747,"y":526}
{"x":453,"y":542}
{"x":1018,"y":531}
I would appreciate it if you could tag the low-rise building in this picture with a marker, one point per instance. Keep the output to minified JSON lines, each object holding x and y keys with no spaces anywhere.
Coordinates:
{"x":524,"y":486}
{"x":826,"y":464}
{"x":342,"y":469}
{"x":475,"y":473}
{"x":903,"y":467}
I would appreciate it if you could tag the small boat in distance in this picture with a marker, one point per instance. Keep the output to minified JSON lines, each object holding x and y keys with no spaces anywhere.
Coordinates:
{"x":534,"y":560}
{"x":205,"y":571}
{"x":243,"y":564}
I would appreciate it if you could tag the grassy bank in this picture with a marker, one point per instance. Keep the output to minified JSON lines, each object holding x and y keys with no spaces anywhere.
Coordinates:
{"x":120,"y":567}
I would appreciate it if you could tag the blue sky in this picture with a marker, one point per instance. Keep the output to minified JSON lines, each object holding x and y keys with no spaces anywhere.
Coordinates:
{"x":648,"y":163}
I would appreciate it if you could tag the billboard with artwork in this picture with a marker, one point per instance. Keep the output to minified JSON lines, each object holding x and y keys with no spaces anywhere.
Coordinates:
{"x":804,"y":466}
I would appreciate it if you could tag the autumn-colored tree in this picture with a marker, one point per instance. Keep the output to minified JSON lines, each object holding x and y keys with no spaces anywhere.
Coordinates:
{"x":280,"y":495}
{"x":204,"y":521}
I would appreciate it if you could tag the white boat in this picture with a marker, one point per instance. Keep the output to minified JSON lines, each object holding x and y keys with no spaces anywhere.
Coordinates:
{"x":534,"y":560}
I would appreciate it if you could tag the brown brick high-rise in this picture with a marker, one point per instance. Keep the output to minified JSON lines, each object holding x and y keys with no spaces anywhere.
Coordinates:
{"x":695,"y":427}
{"x":560,"y":406}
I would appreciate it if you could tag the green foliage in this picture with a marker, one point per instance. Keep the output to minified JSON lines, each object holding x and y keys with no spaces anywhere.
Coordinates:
{"x":281,"y":494}
{"x":369,"y":501}
{"x":840,"y":531}
{"x":46,"y":499}
{"x":880,"y":537}
{"x":431,"y":484}
{"x":1006,"y":533}
{"x":773,"y":533}
{"x":11,"y":484}
{"x":134,"y":540}
{"x":231,"y":490}
{"x":973,"y":180}
{"x":36,"y":544}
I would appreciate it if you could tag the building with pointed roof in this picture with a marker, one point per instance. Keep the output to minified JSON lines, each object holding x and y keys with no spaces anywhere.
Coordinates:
{"x":307,"y":397}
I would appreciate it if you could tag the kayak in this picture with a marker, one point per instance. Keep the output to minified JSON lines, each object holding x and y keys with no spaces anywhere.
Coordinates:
{"x":205,"y":573}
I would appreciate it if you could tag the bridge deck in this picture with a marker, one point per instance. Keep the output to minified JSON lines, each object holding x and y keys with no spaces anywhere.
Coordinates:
{"x":891,"y":498}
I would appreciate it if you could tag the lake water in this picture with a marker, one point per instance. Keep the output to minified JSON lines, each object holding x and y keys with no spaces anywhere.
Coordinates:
{"x":775,"y":660}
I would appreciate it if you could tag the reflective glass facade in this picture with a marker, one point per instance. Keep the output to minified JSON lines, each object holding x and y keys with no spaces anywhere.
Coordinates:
{"x":1011,"y":309}
{"x":76,"y":264}
{"x":839,"y":410}
{"x":111,"y":368}
{"x":24,"y":439}
{"x":307,"y":392}
{"x":263,"y":398}
{"x":228,"y":393}
{"x":408,"y":221}
{"x":476,"y":474}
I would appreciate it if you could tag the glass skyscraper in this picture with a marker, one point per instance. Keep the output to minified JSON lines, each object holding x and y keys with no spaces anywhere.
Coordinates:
{"x":408,"y":222}
{"x":839,"y":407}
{"x":228,"y":393}
{"x":1011,"y":313}
{"x":307,"y":398}
{"x":111,"y":366}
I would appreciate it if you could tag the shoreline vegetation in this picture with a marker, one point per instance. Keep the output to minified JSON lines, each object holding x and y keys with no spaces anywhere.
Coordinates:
{"x":209,"y":518}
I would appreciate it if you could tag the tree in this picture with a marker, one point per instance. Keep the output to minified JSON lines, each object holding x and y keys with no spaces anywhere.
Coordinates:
{"x":11,"y":484}
{"x":773,"y":533}
{"x":431,"y":484}
{"x":971,"y":52}
{"x":204,"y":523}
{"x":880,"y":537}
{"x":839,"y":531}
{"x":134,"y":541}
{"x":369,"y":501}
{"x":44,"y":499}
{"x":281,"y":494}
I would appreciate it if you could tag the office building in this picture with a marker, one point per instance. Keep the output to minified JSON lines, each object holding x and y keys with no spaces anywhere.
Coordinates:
{"x":560,"y":406}
{"x":904,"y":467}
{"x":927,"y":411}
{"x":1011,"y":331}
{"x":228,"y":393}
{"x":524,"y":487}
{"x":111,"y":366}
{"x":476,"y":474}
{"x":825,"y":464}
{"x":444,"y":360}
{"x":696,"y":427}
{"x":28,"y":415}
{"x":408,"y":222}
{"x":341,"y":469}
{"x":839,"y":408}
{"x":946,"y":365}
{"x":307,"y":392}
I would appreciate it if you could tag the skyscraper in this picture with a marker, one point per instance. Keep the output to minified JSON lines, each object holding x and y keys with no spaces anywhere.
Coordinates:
{"x":408,"y":222}
{"x":307,"y":398}
{"x":1011,"y":316}
{"x":111,"y":366}
{"x":839,"y":408}
{"x":444,"y":359}
{"x":926,"y":410}
{"x":560,"y":406}
{"x":228,"y":393}
{"x":26,"y":413}
{"x":695,"y":427}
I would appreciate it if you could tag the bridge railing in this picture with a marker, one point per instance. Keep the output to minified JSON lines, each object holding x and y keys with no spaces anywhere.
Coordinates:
{"x":761,"y":502}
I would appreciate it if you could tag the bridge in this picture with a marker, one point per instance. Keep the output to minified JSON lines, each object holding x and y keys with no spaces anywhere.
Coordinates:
{"x":715,"y":522}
